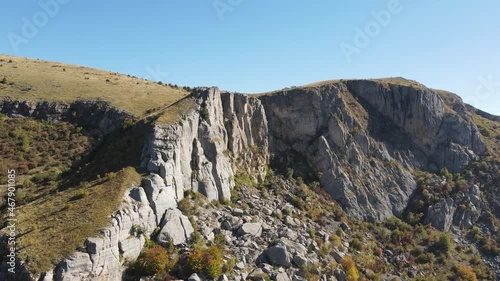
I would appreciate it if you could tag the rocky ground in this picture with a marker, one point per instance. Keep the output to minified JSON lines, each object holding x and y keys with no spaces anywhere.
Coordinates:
{"x":268,"y":237}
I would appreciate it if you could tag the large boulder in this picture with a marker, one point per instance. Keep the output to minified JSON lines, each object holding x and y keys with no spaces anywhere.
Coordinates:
{"x":278,"y":255}
{"x":252,"y":229}
{"x":175,"y":227}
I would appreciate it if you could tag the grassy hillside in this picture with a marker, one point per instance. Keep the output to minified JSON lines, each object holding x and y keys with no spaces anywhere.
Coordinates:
{"x":33,"y":79}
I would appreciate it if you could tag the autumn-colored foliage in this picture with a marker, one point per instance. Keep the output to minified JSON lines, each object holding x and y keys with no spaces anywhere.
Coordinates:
{"x":350,"y":268}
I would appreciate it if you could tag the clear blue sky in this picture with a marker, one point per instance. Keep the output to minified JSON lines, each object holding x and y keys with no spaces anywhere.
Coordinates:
{"x":260,"y":45}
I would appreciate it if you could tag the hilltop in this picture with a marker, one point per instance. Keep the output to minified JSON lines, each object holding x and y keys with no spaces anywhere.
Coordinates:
{"x":39,"y":80}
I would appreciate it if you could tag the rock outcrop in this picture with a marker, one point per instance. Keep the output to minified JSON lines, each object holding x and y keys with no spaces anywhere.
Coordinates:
{"x":362,"y":138}
{"x":200,"y":153}
{"x":462,"y":211}
{"x":175,"y":228}
{"x":97,"y":117}
{"x":103,"y":256}
{"x":197,"y":153}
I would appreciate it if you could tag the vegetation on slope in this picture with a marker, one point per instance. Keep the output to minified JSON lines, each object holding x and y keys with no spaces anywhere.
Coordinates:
{"x":40,"y":152}
{"x":68,"y":185}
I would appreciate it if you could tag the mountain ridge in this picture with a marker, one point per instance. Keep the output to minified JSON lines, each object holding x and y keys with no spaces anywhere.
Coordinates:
{"x":362,"y":141}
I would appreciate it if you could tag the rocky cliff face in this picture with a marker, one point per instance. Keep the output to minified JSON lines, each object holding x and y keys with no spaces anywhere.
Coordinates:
{"x":362,"y":139}
{"x":196,"y":154}
{"x":96,"y":116}
{"x":199,"y":153}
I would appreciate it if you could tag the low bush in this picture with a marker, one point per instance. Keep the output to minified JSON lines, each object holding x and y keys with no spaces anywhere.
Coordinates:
{"x":154,"y":260}
{"x":464,"y":273}
{"x":207,"y":261}
{"x":335,"y":240}
{"x":350,"y":268}
{"x":489,"y":246}
{"x":443,"y":245}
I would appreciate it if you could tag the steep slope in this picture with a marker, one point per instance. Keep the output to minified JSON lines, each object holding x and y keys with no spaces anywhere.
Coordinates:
{"x":362,"y":139}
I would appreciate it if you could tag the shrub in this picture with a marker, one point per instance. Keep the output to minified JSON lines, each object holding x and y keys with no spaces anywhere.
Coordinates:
{"x":378,"y":252}
{"x":356,"y":244}
{"x":230,"y":265}
{"x":310,"y":271}
{"x":350,"y":268}
{"x":220,"y":241}
{"x":185,"y":207}
{"x":154,"y":260}
{"x":446,"y":174}
{"x":443,"y":245}
{"x":475,"y":260}
{"x":196,"y":240}
{"x":128,"y":123}
{"x":208,"y":261}
{"x":213,"y":259}
{"x":82,"y":194}
{"x":475,"y":233}
{"x":137,"y":230}
{"x":465,"y":273}
{"x":489,"y":246}
{"x":28,"y":183}
{"x":195,"y":261}
{"x":110,"y":175}
{"x":20,"y":195}
{"x":424,"y":258}
{"x":204,"y":114}
{"x":335,"y":239}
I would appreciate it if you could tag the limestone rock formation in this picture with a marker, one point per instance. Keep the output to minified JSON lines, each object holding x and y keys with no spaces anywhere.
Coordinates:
{"x":361,"y":139}
{"x":461,"y":212}
{"x":195,"y":154}
{"x":198,"y":154}
{"x":96,"y":116}
{"x":175,"y":227}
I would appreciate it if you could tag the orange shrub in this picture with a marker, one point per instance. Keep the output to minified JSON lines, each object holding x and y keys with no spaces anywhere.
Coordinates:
{"x":465,"y":273}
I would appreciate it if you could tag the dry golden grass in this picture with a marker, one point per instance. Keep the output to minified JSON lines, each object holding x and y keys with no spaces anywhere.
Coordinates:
{"x":53,"y":227}
{"x":31,"y":79}
{"x":176,"y":111}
